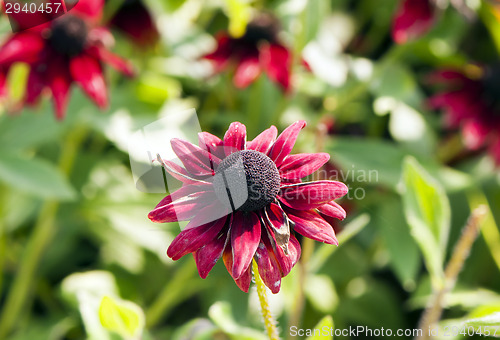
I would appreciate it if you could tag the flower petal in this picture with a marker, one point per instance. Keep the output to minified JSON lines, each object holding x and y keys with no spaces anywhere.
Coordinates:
{"x":211,"y":143}
{"x":223,"y":52}
{"x":243,"y":282}
{"x":119,"y":64}
{"x":192,"y":239}
{"x":302,"y":164}
{"x":235,"y":138}
{"x":413,"y":19}
{"x":21,"y":47}
{"x":209,"y":254}
{"x":35,"y":85}
{"x":263,"y":141}
{"x":247,"y":71}
{"x":332,"y":209}
{"x":87,"y":73}
{"x":277,"y":62}
{"x":245,"y":238}
{"x":285,"y":142}
{"x":285,"y":261}
{"x":269,"y":269}
{"x":475,"y":133}
{"x":311,"y":195}
{"x":197,"y":161}
{"x":89,"y":9}
{"x":181,"y":205}
{"x":278,"y":225}
{"x":310,"y":224}
{"x":59,"y":81}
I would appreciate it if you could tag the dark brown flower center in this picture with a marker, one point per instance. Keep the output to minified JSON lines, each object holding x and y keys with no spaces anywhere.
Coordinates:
{"x":247,"y":181}
{"x":265,"y":27}
{"x":68,"y":35}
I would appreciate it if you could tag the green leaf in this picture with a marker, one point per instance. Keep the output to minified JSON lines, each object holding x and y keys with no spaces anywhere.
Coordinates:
{"x":320,"y":291}
{"x":326,"y":328}
{"x":487,"y":321}
{"x":122,"y":317}
{"x":34,"y":176}
{"x":220,"y":313}
{"x":379,"y":161}
{"x":427,"y":212}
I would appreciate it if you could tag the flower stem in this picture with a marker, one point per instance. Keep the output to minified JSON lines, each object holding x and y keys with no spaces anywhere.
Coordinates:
{"x":40,"y":238}
{"x":269,"y":323}
{"x":433,"y":312}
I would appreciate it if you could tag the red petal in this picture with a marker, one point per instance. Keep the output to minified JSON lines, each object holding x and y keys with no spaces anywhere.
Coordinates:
{"x":3,"y":88}
{"x":269,"y":268}
{"x":209,"y":254}
{"x":197,"y":161}
{"x":311,"y":195}
{"x":247,"y":71}
{"x":181,"y":205}
{"x":302,"y":164}
{"x":211,"y":143}
{"x":475,"y":133}
{"x":178,"y":172}
{"x":89,"y":9}
{"x":332,"y":209}
{"x":192,"y":239}
{"x":285,"y":261}
{"x":87,"y":73}
{"x":263,"y":142}
{"x":245,"y":238}
{"x":277,"y":62}
{"x":311,"y":225}
{"x":121,"y":65}
{"x":235,"y":138}
{"x":413,"y":19}
{"x":223,"y":52}
{"x":21,"y":47}
{"x":278,"y":226}
{"x":243,"y":282}
{"x":35,"y":85}
{"x":285,"y":142}
{"x":59,"y":81}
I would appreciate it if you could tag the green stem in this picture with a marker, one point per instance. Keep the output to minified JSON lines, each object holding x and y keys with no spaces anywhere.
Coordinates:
{"x":433,"y":312}
{"x":269,"y":323}
{"x":42,"y":233}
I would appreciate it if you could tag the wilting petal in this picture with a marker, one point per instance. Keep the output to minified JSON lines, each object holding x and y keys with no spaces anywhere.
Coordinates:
{"x":59,"y":81}
{"x":285,"y":261}
{"x":21,"y":47}
{"x":89,"y":9}
{"x":305,"y":196}
{"x":247,"y":71}
{"x":197,"y":161}
{"x":285,"y":142}
{"x":263,"y":141}
{"x":121,"y":65}
{"x":311,"y":225}
{"x":245,"y":238}
{"x":87,"y":73}
{"x":332,"y":209}
{"x":243,"y":282}
{"x":302,"y":164}
{"x":209,"y":254}
{"x":192,"y":239}
{"x":277,"y":61}
{"x":269,"y":268}
{"x":235,"y":138}
{"x":175,"y":207}
{"x":413,"y":19}
{"x":222,"y":53}
{"x":211,"y":143}
{"x":278,"y":225}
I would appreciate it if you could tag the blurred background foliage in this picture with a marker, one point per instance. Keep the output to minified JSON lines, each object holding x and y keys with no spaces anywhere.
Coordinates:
{"x":81,"y":260}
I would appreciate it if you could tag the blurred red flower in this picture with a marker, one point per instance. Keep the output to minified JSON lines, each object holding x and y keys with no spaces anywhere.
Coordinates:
{"x":134,"y":19}
{"x":245,"y":200}
{"x":257,"y":50}
{"x":412,"y":19}
{"x":68,"y":49}
{"x":471,"y":102}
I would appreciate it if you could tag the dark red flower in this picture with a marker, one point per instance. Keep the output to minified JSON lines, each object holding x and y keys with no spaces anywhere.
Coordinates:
{"x":68,"y":49}
{"x":471,"y":102}
{"x":256,"y":51}
{"x":245,"y":200}
{"x":134,"y":19}
{"x":412,"y":19}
